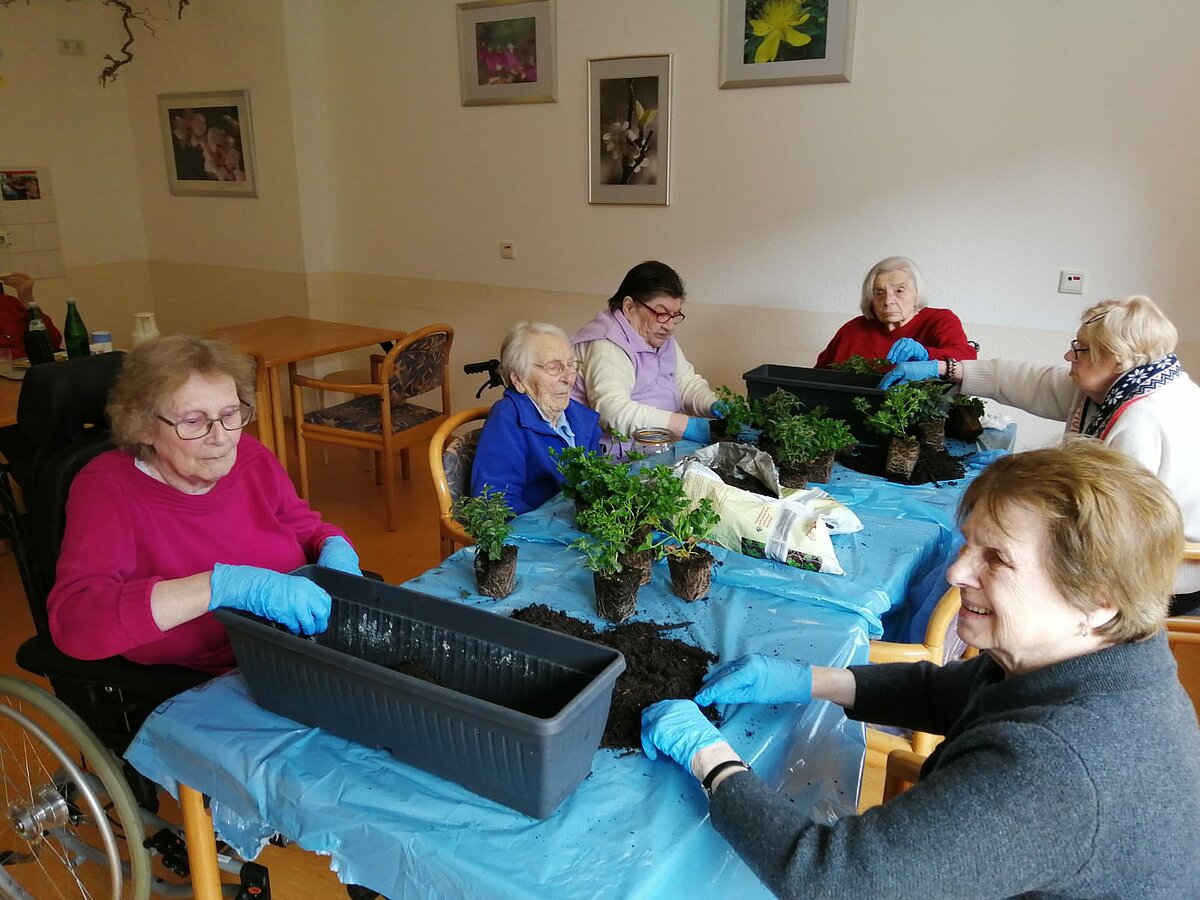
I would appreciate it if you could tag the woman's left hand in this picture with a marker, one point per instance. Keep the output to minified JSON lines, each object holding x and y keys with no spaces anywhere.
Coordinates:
{"x":336,"y":553}
{"x":677,"y":728}
{"x":907,"y":350}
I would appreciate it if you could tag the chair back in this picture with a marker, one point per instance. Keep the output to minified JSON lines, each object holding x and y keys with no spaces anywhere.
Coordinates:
{"x":450,"y":458}
{"x":1183,"y":636}
{"x":419,"y":362}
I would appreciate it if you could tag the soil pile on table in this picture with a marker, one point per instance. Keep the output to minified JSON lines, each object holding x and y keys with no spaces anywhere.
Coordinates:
{"x":656,"y":668}
{"x":932,"y":465}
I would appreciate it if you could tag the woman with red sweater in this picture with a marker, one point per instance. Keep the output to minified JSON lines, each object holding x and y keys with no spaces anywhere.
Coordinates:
{"x":896,"y":324}
{"x":14,"y":314}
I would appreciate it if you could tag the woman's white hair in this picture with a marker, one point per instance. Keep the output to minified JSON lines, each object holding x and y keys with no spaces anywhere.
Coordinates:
{"x":1130,"y":332}
{"x":516,"y":352}
{"x":891,"y":264}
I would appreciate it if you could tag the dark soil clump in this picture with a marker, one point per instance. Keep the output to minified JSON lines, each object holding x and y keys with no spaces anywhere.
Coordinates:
{"x":932,"y":465}
{"x":656,"y":668}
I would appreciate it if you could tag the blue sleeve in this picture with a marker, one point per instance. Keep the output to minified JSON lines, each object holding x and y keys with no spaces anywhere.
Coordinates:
{"x":500,"y":458}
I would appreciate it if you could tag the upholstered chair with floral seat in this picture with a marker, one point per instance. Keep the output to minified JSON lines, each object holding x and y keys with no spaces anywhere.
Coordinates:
{"x":381,"y":416}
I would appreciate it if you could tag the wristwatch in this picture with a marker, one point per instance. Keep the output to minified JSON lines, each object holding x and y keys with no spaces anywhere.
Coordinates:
{"x":716,"y":770}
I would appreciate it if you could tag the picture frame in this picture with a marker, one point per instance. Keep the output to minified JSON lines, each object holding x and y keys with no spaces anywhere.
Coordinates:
{"x":506,"y":52}
{"x":629,"y":130}
{"x":757,"y":52}
{"x":209,"y":142}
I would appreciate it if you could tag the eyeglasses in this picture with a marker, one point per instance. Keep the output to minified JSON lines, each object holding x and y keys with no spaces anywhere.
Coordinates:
{"x":195,"y":427}
{"x":1076,"y":349}
{"x":557,"y":367}
{"x":662,"y":317}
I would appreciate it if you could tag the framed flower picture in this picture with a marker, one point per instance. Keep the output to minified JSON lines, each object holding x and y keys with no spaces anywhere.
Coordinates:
{"x":765,"y":42}
{"x":506,"y":52}
{"x":209,"y":144}
{"x":629,"y":130}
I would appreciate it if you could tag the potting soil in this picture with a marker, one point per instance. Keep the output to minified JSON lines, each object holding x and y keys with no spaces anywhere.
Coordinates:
{"x":932,"y":465}
{"x":656,"y":668}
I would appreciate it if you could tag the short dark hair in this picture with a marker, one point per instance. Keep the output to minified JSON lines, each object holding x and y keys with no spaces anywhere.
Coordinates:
{"x":648,"y":280}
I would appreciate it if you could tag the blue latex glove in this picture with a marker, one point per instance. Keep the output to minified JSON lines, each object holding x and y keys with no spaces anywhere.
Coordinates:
{"x":909,"y":371}
{"x":697,"y":430}
{"x":336,"y":553}
{"x":294,"y":602}
{"x":719,"y":409}
{"x":677,"y":728}
{"x":907,"y":350}
{"x":983,"y":458}
{"x":758,"y":679}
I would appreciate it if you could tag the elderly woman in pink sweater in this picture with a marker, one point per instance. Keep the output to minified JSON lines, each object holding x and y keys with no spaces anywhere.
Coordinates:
{"x":189,"y":514}
{"x":631,"y":369}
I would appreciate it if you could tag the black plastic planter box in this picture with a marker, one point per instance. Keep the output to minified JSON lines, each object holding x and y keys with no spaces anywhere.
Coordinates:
{"x":508,"y":710}
{"x":819,"y":387}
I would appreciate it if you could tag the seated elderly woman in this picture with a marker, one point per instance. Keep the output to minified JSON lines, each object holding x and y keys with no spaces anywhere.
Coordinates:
{"x":896,"y":323}
{"x":1124,"y":386}
{"x":187,"y":515}
{"x":535,"y":415}
{"x":1069,"y":762}
{"x":632,"y":370}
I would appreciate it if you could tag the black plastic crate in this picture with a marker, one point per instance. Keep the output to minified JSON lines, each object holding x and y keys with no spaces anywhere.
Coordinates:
{"x":509,"y":710}
{"x":829,"y":388}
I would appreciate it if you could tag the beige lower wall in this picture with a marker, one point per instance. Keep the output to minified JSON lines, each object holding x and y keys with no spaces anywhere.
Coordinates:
{"x":722,"y":341}
{"x":108,"y":295}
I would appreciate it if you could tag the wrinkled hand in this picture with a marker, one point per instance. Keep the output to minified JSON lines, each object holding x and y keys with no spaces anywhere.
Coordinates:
{"x":677,"y":728}
{"x":294,"y":602}
{"x":758,"y":679}
{"x":909,"y":371}
{"x":719,"y":409}
{"x":984,"y":458}
{"x":698,"y":430}
{"x":22,"y":286}
{"x":907,"y":350}
{"x":336,"y":553}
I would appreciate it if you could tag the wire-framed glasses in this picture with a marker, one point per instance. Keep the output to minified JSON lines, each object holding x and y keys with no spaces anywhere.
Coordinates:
{"x":1076,"y":349}
{"x":196,"y":426}
{"x":662,"y":317}
{"x":556,"y":367}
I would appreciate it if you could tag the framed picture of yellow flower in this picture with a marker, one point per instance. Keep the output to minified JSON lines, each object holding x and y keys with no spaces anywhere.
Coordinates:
{"x":766,"y":42}
{"x":629,"y":130}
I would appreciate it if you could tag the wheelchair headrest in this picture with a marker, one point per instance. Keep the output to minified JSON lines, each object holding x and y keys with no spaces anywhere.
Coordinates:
{"x":62,"y":403}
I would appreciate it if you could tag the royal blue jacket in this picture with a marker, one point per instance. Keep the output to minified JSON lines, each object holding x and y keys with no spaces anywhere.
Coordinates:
{"x":514,"y":450}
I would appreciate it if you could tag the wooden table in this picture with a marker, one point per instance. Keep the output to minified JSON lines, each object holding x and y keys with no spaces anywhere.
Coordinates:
{"x":287,"y":339}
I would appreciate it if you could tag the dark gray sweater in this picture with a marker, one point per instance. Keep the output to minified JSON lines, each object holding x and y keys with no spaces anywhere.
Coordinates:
{"x":1080,"y":779}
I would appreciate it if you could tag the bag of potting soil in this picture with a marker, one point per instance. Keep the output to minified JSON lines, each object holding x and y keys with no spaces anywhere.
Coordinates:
{"x":788,"y":530}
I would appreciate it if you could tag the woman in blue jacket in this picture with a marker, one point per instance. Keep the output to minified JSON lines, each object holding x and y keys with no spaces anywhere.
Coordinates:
{"x":535,"y":415}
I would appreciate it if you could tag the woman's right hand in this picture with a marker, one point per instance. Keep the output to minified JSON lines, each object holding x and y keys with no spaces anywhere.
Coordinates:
{"x":294,"y":602}
{"x":758,"y":679}
{"x":22,"y":286}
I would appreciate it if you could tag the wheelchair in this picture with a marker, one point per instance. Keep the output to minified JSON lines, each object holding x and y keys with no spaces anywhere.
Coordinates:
{"x":76,"y":821}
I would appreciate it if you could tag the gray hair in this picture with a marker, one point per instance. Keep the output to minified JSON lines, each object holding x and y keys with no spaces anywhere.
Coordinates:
{"x":891,"y":264}
{"x":516,"y":355}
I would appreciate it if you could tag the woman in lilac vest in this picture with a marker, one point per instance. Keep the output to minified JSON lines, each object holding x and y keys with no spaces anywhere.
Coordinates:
{"x":631,"y":369}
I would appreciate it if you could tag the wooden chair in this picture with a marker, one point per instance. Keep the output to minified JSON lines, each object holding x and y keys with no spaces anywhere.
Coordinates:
{"x":380,"y":417}
{"x":1183,"y":635}
{"x":881,"y":743}
{"x":903,"y":771}
{"x":450,"y":459}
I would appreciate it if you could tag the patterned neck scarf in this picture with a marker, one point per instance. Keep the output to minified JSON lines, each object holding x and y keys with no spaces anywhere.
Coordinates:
{"x":1136,"y":384}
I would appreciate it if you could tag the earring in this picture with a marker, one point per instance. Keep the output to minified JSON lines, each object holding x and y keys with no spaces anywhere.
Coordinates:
{"x":1084,"y":628}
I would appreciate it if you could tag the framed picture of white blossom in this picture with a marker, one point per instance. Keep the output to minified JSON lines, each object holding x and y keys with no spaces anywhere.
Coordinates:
{"x":766,"y":42}
{"x":629,"y":130}
{"x":209,"y":144}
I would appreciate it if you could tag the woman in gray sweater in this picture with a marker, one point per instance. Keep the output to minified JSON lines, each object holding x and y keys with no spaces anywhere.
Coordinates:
{"x":1069,"y":767}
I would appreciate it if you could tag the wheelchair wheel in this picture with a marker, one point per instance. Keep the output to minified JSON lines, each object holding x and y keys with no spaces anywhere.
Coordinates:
{"x":69,"y":826}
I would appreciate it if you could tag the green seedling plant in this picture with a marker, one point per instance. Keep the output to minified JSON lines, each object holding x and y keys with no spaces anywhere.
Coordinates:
{"x":689,"y":527}
{"x":973,"y":404}
{"x":486,"y":517}
{"x":589,"y":476}
{"x":934,"y":396}
{"x":738,"y":415}
{"x":775,"y":407}
{"x":897,"y":412}
{"x":863,"y":365}
{"x":608,"y":526}
{"x":831,"y":435}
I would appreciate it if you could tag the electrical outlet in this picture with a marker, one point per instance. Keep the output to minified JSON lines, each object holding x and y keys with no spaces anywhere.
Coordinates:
{"x":71,"y":47}
{"x":507,"y":250}
{"x":5,"y":240}
{"x":1070,"y":281}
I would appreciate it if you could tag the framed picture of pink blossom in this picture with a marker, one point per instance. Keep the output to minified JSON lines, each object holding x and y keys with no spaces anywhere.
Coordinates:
{"x":506,"y":52}
{"x":629,"y":130}
{"x":766,"y":42}
{"x":209,"y":144}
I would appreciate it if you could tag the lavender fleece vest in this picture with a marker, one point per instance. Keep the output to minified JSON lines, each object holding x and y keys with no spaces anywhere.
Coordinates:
{"x":653,"y":370}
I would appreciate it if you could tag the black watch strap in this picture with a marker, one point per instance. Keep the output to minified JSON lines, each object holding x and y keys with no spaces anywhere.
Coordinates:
{"x":716,"y":770}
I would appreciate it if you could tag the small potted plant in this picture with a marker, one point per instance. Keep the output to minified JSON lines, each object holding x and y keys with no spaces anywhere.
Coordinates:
{"x":588,"y":476}
{"x":963,"y":423}
{"x":893,"y":418}
{"x":737,"y":415}
{"x":690,"y":564}
{"x":930,"y":426}
{"x":767,"y":412}
{"x":830,"y":436}
{"x":486,"y":518}
{"x":608,"y":526}
{"x":805,"y":445}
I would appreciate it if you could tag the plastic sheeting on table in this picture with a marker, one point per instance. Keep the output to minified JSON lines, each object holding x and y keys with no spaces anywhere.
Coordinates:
{"x":633,"y":828}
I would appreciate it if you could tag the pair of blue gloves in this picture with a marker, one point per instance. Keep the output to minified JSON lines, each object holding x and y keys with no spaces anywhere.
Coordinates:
{"x":677,"y":728}
{"x":294,"y":602}
{"x":912,"y":363}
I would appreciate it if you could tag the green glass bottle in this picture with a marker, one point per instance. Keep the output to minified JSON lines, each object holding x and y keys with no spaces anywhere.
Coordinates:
{"x":75,"y":333}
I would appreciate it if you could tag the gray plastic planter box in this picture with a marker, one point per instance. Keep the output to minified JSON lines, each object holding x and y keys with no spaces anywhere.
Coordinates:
{"x":819,"y":387}
{"x":513,"y":712}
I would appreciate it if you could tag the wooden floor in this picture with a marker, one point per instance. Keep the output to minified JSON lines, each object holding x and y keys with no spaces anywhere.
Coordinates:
{"x":345,"y":493}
